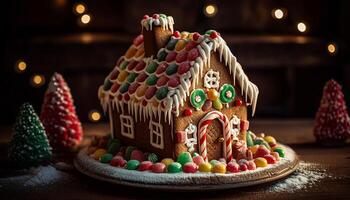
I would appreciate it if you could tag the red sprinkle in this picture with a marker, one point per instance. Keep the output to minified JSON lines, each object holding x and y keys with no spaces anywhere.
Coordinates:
{"x":188,"y":112}
{"x":238,"y":102}
{"x":214,"y":35}
{"x":145,"y":17}
{"x":176,"y":34}
{"x":155,"y":16}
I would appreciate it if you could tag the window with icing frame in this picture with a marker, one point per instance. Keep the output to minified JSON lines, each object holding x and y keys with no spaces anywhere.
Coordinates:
{"x":127,"y":126}
{"x":156,"y":134}
{"x":212,"y":79}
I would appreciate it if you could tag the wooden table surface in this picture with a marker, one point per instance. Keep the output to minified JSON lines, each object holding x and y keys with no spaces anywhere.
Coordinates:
{"x":296,"y":133}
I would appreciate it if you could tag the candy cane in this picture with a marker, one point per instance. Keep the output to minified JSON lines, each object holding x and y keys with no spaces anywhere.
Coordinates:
{"x":203,"y":124}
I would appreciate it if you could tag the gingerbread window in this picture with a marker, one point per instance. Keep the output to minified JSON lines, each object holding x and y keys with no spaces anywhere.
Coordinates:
{"x":211,"y":79}
{"x":127,"y":126}
{"x":156,"y":134}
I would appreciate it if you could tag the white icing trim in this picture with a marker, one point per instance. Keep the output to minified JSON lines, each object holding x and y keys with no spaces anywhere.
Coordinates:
{"x":235,"y":127}
{"x":166,"y":23}
{"x":190,"y":142}
{"x":156,"y":129}
{"x":127,"y":126}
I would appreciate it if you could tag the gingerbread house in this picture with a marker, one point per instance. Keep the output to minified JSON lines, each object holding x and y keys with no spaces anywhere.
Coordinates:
{"x":173,"y":92}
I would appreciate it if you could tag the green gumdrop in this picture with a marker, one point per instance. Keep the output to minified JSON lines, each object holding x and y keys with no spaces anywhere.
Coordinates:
{"x":260,"y":141}
{"x":280,"y":151}
{"x":107,"y":84}
{"x":184,"y":158}
{"x":151,"y":80}
{"x":161,"y":55}
{"x":114,"y":147}
{"x":152,"y":67}
{"x":131,"y":78}
{"x":128,"y":151}
{"x":213,"y":162}
{"x":217,"y":104}
{"x":174,"y":167}
{"x":171,"y":69}
{"x":106,"y":158}
{"x":132,"y":164}
{"x":162,"y":93}
{"x":152,"y":157}
{"x":124,"y":88}
{"x":123,"y":65}
{"x":249,"y":139}
{"x":171,"y":44}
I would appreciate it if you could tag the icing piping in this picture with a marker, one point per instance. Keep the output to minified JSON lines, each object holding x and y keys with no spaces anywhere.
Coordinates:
{"x":167,"y":23}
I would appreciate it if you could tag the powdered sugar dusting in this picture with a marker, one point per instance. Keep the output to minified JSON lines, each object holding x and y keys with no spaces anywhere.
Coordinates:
{"x":306,"y":176}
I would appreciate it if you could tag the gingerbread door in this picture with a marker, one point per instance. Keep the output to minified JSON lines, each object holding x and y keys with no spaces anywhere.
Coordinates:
{"x":215,"y":140}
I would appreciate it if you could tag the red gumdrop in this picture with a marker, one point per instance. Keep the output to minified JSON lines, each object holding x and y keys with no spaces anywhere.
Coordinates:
{"x":251,"y":165}
{"x":181,"y":57}
{"x":270,"y":159}
{"x":176,"y":34}
{"x":187,"y":112}
{"x":132,"y":65}
{"x":171,"y":56}
{"x":145,"y":165}
{"x":214,"y":35}
{"x":232,"y":167}
{"x":243,"y":167}
{"x":133,"y":87}
{"x":150,"y":92}
{"x":161,"y":68}
{"x":138,"y":40}
{"x":142,"y":77}
{"x":196,"y":36}
{"x":140,"y":66}
{"x":190,"y":45}
{"x":145,"y":17}
{"x":183,"y":68}
{"x":115,"y":87}
{"x":193,"y":54}
{"x":261,"y":152}
{"x":118,"y":161}
{"x":137,"y":155}
{"x":162,"y":81}
{"x":155,"y":16}
{"x":190,"y":167}
{"x":174,"y":82}
{"x":197,"y":159}
{"x":158,"y":168}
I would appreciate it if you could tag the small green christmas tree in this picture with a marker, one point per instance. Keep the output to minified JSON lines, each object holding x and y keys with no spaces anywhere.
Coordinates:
{"x":29,"y":145}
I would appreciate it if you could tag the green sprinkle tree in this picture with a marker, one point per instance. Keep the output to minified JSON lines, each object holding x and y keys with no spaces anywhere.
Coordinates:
{"x":29,"y":145}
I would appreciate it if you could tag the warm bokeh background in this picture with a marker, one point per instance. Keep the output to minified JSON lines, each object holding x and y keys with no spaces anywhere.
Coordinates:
{"x":289,"y":62}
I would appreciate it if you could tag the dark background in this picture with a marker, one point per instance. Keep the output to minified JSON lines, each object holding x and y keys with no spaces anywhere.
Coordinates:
{"x":289,"y":67}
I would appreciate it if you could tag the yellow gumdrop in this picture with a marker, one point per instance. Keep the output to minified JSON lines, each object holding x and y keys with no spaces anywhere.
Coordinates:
{"x":184,"y":34}
{"x":180,"y":45}
{"x":139,"y":52}
{"x":205,"y":167}
{"x":213,"y":94}
{"x":98,"y":153}
{"x":260,"y":162}
{"x":270,"y":139}
{"x":141,"y":90}
{"x":167,"y":161}
{"x":122,"y":76}
{"x":131,"y":52}
{"x":219,"y":168}
{"x":254,"y":148}
{"x":217,"y":104}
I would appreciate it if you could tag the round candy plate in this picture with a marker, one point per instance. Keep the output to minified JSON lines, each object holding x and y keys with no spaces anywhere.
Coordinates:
{"x":186,"y":181}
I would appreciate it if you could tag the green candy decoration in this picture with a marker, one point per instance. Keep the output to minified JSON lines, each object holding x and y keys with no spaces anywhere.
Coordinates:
{"x":217,"y":104}
{"x":227,"y":93}
{"x":171,"y":69}
{"x":152,"y":67}
{"x":29,"y":145}
{"x":106,"y":158}
{"x":171,"y":44}
{"x":113,"y":146}
{"x":184,"y":158}
{"x":151,"y":80}
{"x":132,"y":164}
{"x":124,"y":87}
{"x":249,"y":139}
{"x":124,"y":64}
{"x":161,"y":93}
{"x":128,"y":152}
{"x":161,"y":55}
{"x":195,"y":154}
{"x":131,"y":78}
{"x":174,"y":167}
{"x":260,"y":141}
{"x":280,"y":151}
{"x":208,"y":32}
{"x":198,"y":98}
{"x":152,"y":157}
{"x":107,"y":85}
{"x":214,"y":162}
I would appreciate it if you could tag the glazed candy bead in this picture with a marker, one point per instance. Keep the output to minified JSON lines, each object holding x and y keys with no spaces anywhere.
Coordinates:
{"x":132,"y":164}
{"x":124,"y":88}
{"x":137,"y":155}
{"x":180,"y":45}
{"x":217,"y":104}
{"x":198,"y":159}
{"x":270,"y":140}
{"x":150,"y":92}
{"x":184,"y":34}
{"x":213,"y":94}
{"x":128,"y":151}
{"x":205,"y":167}
{"x":167,"y":161}
{"x":132,"y":65}
{"x":171,"y":44}
{"x":152,"y":157}
{"x":187,"y":112}
{"x":152,"y":67}
{"x":238,"y":102}
{"x":260,"y":162}
{"x":145,"y":165}
{"x":190,"y":167}
{"x":251,"y":165}
{"x":184,"y":158}
{"x":261,"y":141}
{"x":276,"y":155}
{"x":161,"y":55}
{"x":219,"y":168}
{"x":113,"y":147}
{"x":174,"y":167}
{"x":106,"y":158}
{"x":122,"y":76}
{"x":193,"y":54}
{"x":131,"y":78}
{"x":174,"y":82}
{"x":138,"y":40}
{"x":162,"y":93}
{"x":118,"y":161}
{"x":191,"y":45}
{"x":133,"y":87}
{"x":261,"y":151}
{"x":140,"y":52}
{"x":207,"y":105}
{"x":98,"y":153}
{"x":232,"y":167}
{"x":214,"y":35}
{"x":177,"y":34}
{"x":196,"y":36}
{"x":140,"y":66}
{"x":183,"y":68}
{"x":130,"y":52}
{"x":141,"y":78}
{"x":141,"y":90}
{"x":270,"y":159}
{"x":151,"y":80}
{"x":124,"y":64}
{"x":280,"y":151}
{"x":158,"y":168}
{"x":172,"y":69}
{"x":181,"y":57}
{"x":107,"y":84}
{"x":222,"y":160}
{"x":171,"y":56}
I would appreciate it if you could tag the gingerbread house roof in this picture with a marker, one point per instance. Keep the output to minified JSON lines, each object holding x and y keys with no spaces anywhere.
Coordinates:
{"x":152,"y":86}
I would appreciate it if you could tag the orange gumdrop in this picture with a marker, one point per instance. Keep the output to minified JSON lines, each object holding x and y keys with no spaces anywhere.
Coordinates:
{"x":131,"y":52}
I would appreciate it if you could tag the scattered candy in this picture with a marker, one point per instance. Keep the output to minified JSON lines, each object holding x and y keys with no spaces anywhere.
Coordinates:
{"x":118,"y":161}
{"x":198,"y":159}
{"x":99,"y":153}
{"x":243,"y":167}
{"x":106,"y":158}
{"x":238,"y":102}
{"x":137,"y":155}
{"x":145,"y":165}
{"x":205,"y":167}
{"x":276,"y":155}
{"x":196,"y":36}
{"x":251,"y":165}
{"x":219,"y":168}
{"x":190,"y":167}
{"x":261,"y":152}
{"x":174,"y":167}
{"x":260,"y":162}
{"x":132,"y":164}
{"x":254,"y":148}
{"x":158,"y":168}
{"x":222,"y":160}
{"x":270,"y":140}
{"x":152,"y":157}
{"x":213,"y":162}
{"x":261,"y":141}
{"x":270,"y":159}
{"x":114,"y":146}
{"x":167,"y":161}
{"x":232,"y":167}
{"x":217,"y":104}
{"x":128,"y":151}
{"x":213,"y":94}
{"x":207,"y":105}
{"x":176,"y":34}
{"x":249,"y":139}
{"x":280,"y":151}
{"x":184,"y":158}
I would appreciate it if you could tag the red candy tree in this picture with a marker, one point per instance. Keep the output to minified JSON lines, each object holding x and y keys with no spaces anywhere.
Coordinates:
{"x":58,"y":116}
{"x":332,"y":120}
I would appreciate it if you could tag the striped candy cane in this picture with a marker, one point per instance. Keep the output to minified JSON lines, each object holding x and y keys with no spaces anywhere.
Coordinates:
{"x":203,"y":124}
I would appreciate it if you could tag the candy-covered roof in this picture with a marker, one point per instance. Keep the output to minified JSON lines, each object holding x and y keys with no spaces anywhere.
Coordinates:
{"x":152,"y":86}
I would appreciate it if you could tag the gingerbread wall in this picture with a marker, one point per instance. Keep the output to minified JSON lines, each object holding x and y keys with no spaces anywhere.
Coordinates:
{"x":181,"y":122}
